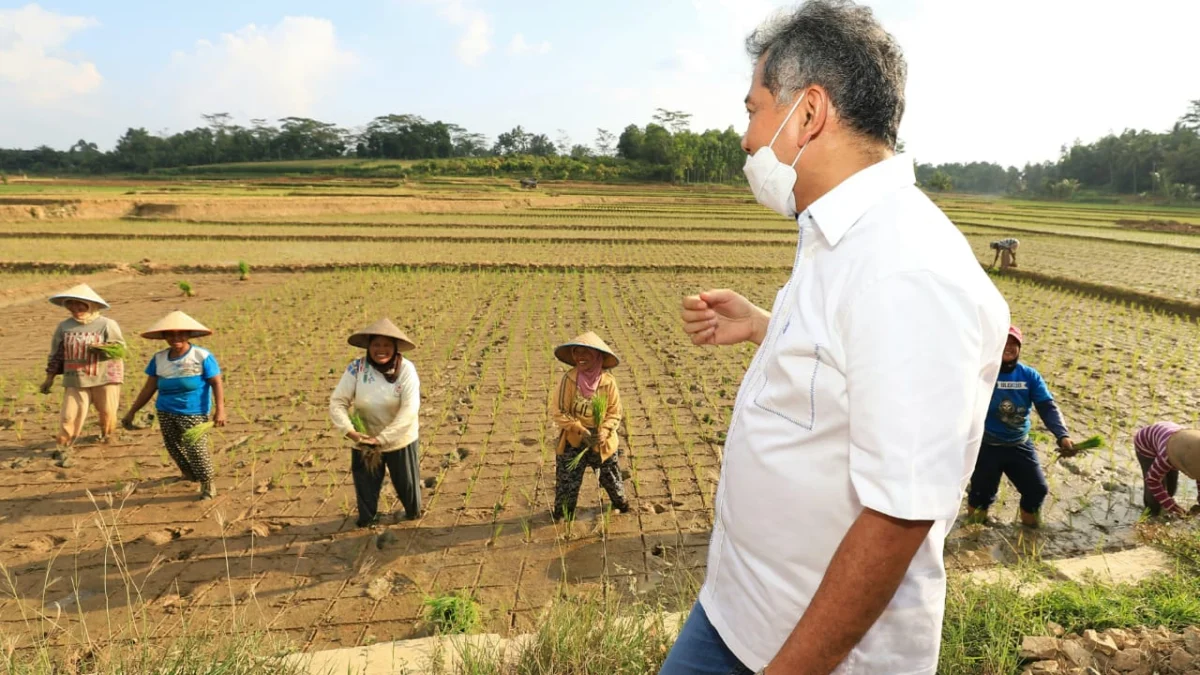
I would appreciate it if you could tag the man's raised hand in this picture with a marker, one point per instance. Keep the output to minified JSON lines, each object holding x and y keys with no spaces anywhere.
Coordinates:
{"x":723,"y":317}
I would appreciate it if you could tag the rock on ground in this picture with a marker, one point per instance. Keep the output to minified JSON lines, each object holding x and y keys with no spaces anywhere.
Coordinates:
{"x":1132,"y":651}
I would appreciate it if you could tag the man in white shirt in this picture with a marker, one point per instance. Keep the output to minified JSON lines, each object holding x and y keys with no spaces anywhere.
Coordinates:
{"x":858,"y":422}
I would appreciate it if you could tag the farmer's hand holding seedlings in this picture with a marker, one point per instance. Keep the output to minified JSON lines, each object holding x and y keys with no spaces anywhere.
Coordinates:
{"x":1066,"y":447}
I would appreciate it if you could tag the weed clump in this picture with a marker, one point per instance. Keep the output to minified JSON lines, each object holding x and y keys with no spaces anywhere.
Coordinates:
{"x":452,"y":614}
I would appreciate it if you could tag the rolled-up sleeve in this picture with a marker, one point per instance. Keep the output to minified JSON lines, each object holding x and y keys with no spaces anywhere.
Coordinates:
{"x":914,"y":356}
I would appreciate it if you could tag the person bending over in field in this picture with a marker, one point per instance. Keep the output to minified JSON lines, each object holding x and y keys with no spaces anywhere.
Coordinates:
{"x":1165,"y":449}
{"x":1006,"y":253}
{"x":586,"y":408}
{"x":376,"y":405}
{"x":187,"y":381}
{"x":1006,"y":449}
{"x":90,"y":377}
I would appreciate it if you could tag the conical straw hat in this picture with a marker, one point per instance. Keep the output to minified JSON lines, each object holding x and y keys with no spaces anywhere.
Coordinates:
{"x":1183,"y":449}
{"x":588,"y":339}
{"x":176,"y":321}
{"x":384,"y":327}
{"x":81,"y":292}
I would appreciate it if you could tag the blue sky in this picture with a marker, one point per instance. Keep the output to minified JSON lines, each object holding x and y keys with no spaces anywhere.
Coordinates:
{"x":1005,"y":81}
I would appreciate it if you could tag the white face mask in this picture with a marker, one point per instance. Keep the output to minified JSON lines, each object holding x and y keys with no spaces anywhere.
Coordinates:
{"x":771,"y":180}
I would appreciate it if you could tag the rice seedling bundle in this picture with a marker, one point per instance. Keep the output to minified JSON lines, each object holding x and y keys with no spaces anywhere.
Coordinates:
{"x":192,"y":436}
{"x":111,"y":351}
{"x":1090,"y":444}
{"x":599,"y":411}
{"x":371,"y":454}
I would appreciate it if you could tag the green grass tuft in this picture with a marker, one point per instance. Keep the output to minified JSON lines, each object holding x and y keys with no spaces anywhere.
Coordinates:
{"x":452,"y":614}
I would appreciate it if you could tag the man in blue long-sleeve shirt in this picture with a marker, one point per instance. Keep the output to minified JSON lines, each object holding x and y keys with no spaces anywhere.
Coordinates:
{"x":1006,"y":448}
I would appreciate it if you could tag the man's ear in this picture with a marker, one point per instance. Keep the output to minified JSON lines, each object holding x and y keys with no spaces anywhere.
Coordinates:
{"x":813,"y":112}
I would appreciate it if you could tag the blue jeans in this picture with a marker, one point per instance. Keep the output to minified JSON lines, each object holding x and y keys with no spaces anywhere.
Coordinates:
{"x":699,"y":650}
{"x":1020,"y":463}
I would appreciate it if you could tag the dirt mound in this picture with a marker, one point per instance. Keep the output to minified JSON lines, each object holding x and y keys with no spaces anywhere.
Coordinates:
{"x":1137,"y":651}
{"x":146,"y":210}
{"x":35,"y":201}
{"x":37,"y":208}
{"x":42,"y":544}
{"x":1155,"y":225}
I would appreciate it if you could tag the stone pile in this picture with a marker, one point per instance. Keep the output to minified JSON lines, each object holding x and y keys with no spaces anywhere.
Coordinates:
{"x":1135,"y":651}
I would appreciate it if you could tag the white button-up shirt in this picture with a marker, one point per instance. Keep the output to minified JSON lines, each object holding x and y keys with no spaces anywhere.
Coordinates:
{"x":869,"y":391}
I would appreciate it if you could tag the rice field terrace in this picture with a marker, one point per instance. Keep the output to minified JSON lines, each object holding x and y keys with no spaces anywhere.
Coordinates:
{"x":486,"y":278}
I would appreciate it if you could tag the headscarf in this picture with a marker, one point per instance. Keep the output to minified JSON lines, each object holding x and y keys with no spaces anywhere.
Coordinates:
{"x":391,"y":369}
{"x":91,"y":315}
{"x":589,"y":379}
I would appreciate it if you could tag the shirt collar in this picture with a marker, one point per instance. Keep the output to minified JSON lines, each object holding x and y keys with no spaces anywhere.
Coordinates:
{"x":837,"y":210}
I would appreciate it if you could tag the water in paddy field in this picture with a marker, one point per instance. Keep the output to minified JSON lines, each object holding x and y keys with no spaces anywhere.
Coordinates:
{"x":1095,"y":505}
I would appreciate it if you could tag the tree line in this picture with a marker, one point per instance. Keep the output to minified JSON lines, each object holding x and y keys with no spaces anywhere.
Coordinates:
{"x":1164,"y":165}
{"x":1161,"y":165}
{"x":663,"y":150}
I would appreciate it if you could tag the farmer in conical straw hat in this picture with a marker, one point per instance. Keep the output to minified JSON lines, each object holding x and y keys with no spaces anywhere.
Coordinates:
{"x":1165,"y":449}
{"x":382,"y":392}
{"x":188,"y":380}
{"x":90,"y":378}
{"x":586,"y":408}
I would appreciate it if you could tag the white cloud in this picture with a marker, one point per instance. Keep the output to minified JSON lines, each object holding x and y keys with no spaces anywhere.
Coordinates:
{"x":520,"y":46}
{"x":987,"y":83}
{"x":476,"y":38}
{"x":255,"y":71}
{"x":33,"y":69}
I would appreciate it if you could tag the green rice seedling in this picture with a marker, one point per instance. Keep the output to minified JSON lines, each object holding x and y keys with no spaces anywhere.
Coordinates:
{"x":243,"y":270}
{"x":599,"y":410}
{"x":186,"y":288}
{"x":371,"y":455}
{"x":1090,"y":444}
{"x":356,"y":421}
{"x":192,"y":436}
{"x":452,"y":614}
{"x":114,"y":351}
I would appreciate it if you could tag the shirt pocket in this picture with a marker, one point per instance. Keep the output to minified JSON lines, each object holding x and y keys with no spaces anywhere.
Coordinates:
{"x":789,"y":384}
